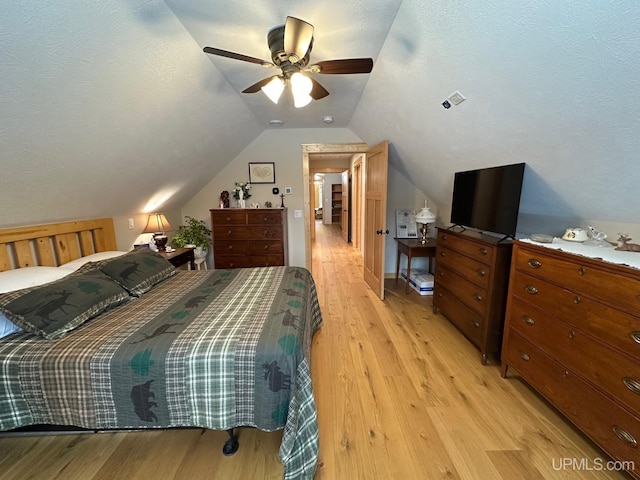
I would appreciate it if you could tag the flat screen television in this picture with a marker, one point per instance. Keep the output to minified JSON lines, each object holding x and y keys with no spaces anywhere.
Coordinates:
{"x":488,"y":199}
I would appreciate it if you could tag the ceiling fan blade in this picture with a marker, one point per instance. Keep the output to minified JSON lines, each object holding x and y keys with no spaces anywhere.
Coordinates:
{"x":318,"y":91}
{"x":235,"y":56}
{"x":298,"y":35}
{"x":257,"y":86}
{"x":347,"y":65}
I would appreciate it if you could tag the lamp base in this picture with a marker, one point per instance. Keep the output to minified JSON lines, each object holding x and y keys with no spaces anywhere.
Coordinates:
{"x":161,"y":242}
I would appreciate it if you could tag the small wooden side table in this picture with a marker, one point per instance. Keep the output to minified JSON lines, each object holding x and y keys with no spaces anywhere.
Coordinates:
{"x":180,"y":257}
{"x":412,"y":247}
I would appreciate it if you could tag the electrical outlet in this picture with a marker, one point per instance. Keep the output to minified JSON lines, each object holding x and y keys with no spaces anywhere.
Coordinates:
{"x":288,"y":191}
{"x":131,"y":224}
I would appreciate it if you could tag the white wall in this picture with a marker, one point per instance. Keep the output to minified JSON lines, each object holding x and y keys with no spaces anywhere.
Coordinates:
{"x":284,"y":148}
{"x":401,"y":193}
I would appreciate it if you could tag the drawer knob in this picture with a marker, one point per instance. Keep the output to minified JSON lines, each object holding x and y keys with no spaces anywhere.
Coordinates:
{"x":524,"y":355}
{"x":528,"y":320}
{"x":483,"y":251}
{"x":625,"y":436}
{"x":531,"y":289}
{"x":443,"y":254}
{"x":441,"y":273}
{"x":576,"y":299}
{"x":265,"y":247}
{"x":230,"y":247}
{"x":481,"y":272}
{"x":565,"y":374}
{"x":572,"y":334}
{"x":228,"y":219}
{"x":534,"y":263}
{"x":476,"y":324}
{"x":632,"y":384}
{"x":229,"y":232}
{"x":265,"y":232}
{"x":635,"y":336}
{"x":581,"y":271}
{"x":444,"y":237}
{"x":477,"y":297}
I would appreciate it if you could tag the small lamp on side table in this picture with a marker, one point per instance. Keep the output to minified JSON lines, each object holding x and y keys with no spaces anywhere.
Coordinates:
{"x":424,"y":217}
{"x":158,"y":225}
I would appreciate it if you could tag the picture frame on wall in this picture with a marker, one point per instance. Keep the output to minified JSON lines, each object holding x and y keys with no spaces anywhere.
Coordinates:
{"x":262,"y":172}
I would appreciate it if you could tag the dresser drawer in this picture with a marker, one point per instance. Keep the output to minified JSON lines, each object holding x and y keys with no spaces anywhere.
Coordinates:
{"x":228,"y":216}
{"x":470,"y":294}
{"x":613,"y":326}
{"x":242,"y":247}
{"x":611,"y":426}
{"x":474,"y":271}
{"x":244,"y":261}
{"x":583,"y":276}
{"x":263,"y":216}
{"x":468,"y":321}
{"x":616,"y":373}
{"x":476,"y":250}
{"x":248,"y":232}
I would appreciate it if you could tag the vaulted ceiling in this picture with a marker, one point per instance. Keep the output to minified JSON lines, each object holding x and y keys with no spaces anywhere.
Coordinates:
{"x":102,"y":101}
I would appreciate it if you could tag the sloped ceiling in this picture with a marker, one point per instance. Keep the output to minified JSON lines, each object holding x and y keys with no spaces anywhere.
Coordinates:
{"x":106,"y":105}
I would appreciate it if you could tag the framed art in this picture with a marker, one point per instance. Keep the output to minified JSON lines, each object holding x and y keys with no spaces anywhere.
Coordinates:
{"x":262,"y":172}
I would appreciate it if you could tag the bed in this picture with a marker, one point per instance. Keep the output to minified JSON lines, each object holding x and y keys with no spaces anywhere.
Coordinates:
{"x":127,"y":341}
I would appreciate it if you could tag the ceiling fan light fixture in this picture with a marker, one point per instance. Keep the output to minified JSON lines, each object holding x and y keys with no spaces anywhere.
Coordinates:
{"x":274,"y":89}
{"x":301,"y":87}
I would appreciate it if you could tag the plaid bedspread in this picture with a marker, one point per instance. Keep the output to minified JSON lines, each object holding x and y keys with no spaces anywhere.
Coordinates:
{"x":214,"y":349}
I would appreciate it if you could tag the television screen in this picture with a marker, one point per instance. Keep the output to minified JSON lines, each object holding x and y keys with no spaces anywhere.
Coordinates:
{"x":488,"y":199}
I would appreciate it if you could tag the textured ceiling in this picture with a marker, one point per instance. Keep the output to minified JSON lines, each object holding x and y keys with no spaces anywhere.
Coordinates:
{"x":107,"y":104}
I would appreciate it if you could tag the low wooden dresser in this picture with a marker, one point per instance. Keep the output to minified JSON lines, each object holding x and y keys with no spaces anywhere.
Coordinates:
{"x":470,"y":285}
{"x":573,"y":333}
{"x":249,"y":237}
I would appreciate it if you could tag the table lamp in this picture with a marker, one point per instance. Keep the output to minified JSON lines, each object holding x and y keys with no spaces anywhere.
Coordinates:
{"x":158,"y":225}
{"x":425,"y":217}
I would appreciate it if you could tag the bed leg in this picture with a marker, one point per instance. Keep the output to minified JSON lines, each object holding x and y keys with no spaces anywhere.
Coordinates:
{"x":231,"y":445}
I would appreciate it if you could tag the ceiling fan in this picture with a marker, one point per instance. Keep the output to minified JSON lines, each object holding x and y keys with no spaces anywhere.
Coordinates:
{"x":290,"y":45}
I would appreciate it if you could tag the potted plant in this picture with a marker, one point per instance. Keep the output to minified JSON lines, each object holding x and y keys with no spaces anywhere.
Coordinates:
{"x":194,"y":234}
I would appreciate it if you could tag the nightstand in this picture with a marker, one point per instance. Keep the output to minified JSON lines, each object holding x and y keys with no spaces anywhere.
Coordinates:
{"x":180,"y":257}
{"x":413,"y":247}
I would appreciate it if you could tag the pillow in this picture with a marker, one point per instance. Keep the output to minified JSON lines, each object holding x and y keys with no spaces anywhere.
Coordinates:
{"x":74,"y":265}
{"x":53,"y":309}
{"x":139,"y":270}
{"x":28,"y":277}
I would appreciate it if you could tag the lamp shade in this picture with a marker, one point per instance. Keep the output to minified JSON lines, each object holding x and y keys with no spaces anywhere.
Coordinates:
{"x":157,"y":223}
{"x":274,"y":89}
{"x":425,"y":216}
{"x":301,"y":87}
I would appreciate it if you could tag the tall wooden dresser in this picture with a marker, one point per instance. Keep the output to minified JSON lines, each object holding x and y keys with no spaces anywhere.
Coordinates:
{"x":249,"y":237}
{"x":470,"y":285}
{"x":573,"y":333}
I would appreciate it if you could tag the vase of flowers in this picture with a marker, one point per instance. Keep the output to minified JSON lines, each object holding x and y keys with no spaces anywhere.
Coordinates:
{"x":242,"y":193}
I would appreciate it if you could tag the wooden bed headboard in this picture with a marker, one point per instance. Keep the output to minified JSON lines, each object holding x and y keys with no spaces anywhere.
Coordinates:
{"x":54,"y":244}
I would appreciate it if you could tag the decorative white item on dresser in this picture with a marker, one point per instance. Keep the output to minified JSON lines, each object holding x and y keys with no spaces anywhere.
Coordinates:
{"x":572,"y":331}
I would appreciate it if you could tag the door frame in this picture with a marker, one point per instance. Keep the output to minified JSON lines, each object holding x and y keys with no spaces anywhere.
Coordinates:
{"x":307,"y":181}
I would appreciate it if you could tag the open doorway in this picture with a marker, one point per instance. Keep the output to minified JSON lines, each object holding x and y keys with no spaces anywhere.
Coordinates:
{"x":327,"y":159}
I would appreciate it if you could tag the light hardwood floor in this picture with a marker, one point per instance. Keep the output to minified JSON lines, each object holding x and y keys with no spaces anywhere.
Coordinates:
{"x":400,"y":394}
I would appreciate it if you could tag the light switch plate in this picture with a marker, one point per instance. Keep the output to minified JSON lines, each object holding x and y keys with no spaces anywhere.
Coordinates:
{"x":297,"y":213}
{"x":287,"y":191}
